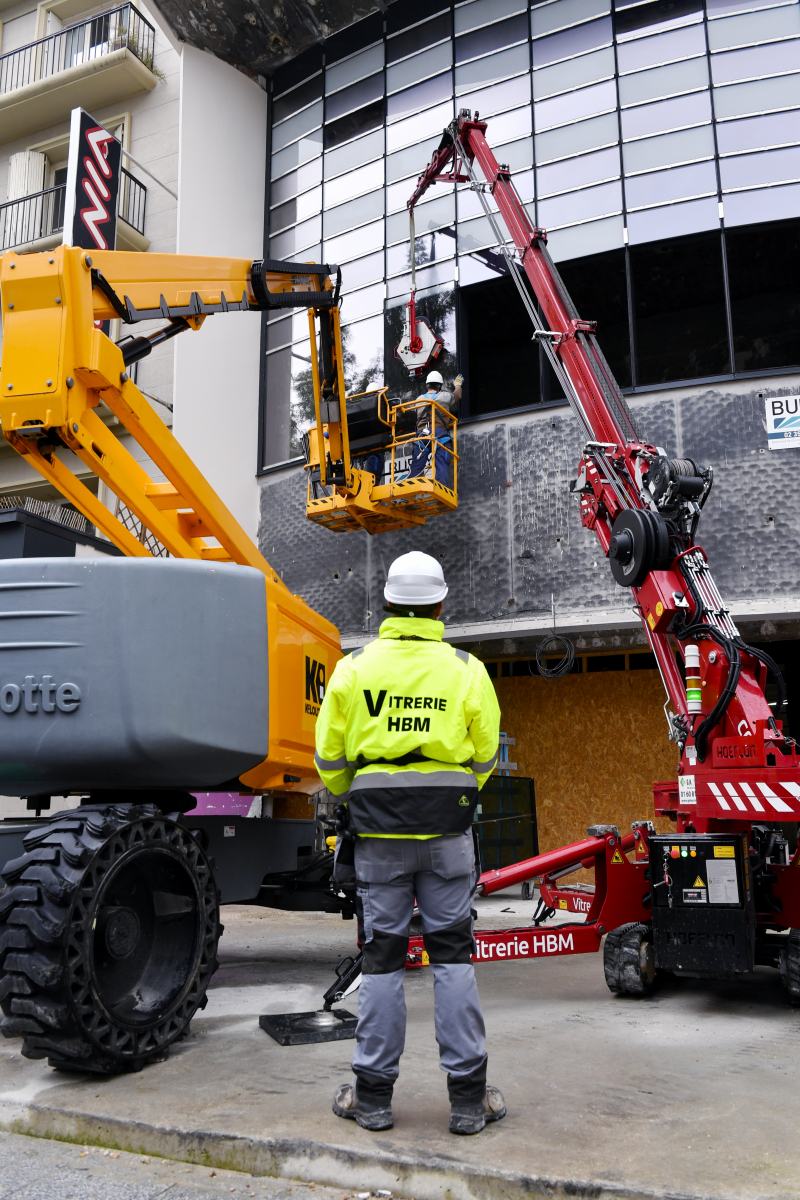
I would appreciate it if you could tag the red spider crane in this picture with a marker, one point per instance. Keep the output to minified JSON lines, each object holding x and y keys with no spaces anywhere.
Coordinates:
{"x":723,"y":892}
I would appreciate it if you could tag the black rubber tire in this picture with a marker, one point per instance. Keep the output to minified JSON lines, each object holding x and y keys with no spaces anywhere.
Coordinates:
{"x":528,"y":890}
{"x":109,"y":925}
{"x":790,"y":967}
{"x":628,"y":960}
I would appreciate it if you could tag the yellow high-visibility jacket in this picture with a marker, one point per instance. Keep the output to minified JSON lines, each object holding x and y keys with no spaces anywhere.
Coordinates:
{"x":409,"y":726}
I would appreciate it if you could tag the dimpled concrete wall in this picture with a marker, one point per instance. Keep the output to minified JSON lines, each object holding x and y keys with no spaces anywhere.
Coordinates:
{"x":516,"y":537}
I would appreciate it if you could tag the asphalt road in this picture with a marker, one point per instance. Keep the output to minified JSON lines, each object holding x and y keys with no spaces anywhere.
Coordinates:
{"x":35,"y":1169}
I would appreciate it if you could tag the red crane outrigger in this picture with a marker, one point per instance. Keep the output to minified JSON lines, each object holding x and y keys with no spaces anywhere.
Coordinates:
{"x":722,"y":893}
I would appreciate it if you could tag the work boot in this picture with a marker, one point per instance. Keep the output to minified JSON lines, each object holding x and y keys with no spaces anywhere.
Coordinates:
{"x":471,"y":1118}
{"x":373,"y":1113}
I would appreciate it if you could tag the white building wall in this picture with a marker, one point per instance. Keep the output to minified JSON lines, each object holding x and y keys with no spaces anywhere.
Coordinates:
{"x":223,"y":120}
{"x":153,"y":121}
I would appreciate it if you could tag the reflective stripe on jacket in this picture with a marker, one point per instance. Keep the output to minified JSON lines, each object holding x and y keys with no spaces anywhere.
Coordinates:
{"x":410,"y":726}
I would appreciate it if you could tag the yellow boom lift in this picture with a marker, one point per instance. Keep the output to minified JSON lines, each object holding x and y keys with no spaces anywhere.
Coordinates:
{"x":57,"y":367}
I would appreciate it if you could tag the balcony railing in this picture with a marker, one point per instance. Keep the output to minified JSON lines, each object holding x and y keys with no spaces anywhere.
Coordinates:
{"x":103,"y":34}
{"x":42,"y":215}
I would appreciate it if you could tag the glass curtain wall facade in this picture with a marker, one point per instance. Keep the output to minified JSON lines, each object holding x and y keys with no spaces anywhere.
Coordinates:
{"x":657,"y":142}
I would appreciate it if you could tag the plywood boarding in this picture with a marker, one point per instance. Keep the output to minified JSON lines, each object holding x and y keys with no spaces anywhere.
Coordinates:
{"x":593,"y":744}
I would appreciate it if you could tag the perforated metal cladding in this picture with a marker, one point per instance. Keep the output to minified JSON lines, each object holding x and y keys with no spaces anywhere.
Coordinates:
{"x":525,"y":541}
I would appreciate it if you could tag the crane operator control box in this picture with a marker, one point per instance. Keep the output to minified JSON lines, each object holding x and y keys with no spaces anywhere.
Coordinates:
{"x":702,"y":903}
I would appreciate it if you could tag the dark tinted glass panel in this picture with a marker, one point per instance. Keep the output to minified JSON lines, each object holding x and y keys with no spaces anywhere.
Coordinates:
{"x":494,"y":37}
{"x":644,"y":15}
{"x":355,"y":97}
{"x":679,"y":309}
{"x":419,"y":37}
{"x":605,"y":662}
{"x":643,"y":662}
{"x":599,"y":290}
{"x":362,"y":34}
{"x":503,"y":366}
{"x":297,"y":70}
{"x":764,"y":274}
{"x":309,"y":91}
{"x":354,"y":124}
{"x":438,"y":309}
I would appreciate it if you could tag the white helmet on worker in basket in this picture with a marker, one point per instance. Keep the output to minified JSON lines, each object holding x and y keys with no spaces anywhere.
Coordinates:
{"x":415,"y":578}
{"x":434,"y":379}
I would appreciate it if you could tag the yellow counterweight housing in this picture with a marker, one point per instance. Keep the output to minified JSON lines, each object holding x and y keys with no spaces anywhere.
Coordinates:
{"x":56,"y":369}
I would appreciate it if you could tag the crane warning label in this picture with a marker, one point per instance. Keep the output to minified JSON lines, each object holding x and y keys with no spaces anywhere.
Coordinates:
{"x":783,"y":421}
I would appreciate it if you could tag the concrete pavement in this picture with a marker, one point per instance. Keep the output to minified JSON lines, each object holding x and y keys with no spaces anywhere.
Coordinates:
{"x":692,"y":1092}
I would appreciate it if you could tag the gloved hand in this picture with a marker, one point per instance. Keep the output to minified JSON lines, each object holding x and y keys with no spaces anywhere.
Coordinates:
{"x":458,"y":381}
{"x":341,"y":818}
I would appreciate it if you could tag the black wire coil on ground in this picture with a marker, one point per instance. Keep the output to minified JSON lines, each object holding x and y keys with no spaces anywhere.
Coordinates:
{"x":547,"y":649}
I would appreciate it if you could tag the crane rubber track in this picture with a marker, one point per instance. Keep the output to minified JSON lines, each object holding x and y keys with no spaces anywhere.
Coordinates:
{"x":627,"y":960}
{"x":103,"y":892}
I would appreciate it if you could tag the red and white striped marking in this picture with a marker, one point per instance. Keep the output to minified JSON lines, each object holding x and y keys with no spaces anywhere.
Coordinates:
{"x":760,"y":798}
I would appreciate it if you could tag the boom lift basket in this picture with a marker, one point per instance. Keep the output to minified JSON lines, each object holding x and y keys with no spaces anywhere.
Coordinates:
{"x":395,"y":431}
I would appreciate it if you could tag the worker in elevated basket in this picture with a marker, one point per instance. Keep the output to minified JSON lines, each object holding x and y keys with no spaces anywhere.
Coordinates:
{"x":409,"y":728}
{"x":421,"y":452}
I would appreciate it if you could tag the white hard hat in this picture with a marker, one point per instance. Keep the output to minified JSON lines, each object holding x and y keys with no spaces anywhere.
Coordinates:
{"x":434,"y":377}
{"x":415,"y":578}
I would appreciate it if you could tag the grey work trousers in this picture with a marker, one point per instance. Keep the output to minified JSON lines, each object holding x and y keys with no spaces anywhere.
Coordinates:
{"x":440,"y":874}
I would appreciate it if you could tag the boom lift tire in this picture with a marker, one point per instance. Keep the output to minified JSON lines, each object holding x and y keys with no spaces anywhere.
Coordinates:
{"x":790,"y":967}
{"x":629,"y":960}
{"x":109,"y":924}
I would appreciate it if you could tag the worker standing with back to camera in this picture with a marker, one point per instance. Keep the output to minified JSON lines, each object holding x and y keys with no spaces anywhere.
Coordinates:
{"x":409,"y":727}
{"x":428,"y":418}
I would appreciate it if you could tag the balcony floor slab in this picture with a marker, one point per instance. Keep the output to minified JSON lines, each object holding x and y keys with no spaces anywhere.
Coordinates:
{"x":92,"y":85}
